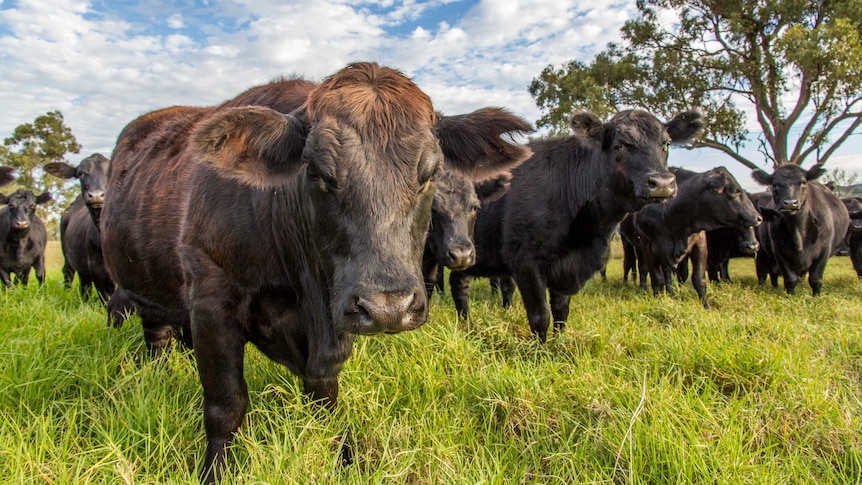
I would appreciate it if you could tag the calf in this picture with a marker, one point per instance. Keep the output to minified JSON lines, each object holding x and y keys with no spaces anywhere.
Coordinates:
{"x":295,"y":232}
{"x":80,"y":235}
{"x":453,"y":215}
{"x":805,"y":224}
{"x":23,"y":236}
{"x":664,"y":235}
{"x":551,"y":230}
{"x":854,"y":233}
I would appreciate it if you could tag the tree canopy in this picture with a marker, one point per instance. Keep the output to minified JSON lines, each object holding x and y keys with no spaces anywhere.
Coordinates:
{"x":31,"y":146}
{"x":793,"y":66}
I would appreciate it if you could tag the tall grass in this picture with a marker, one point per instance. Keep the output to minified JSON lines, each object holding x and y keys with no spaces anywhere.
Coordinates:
{"x":764,"y":388}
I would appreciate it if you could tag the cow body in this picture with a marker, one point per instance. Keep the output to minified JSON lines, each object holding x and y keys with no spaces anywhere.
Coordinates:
{"x":805,"y":225}
{"x":23,"y":236}
{"x":551,"y":230}
{"x":295,"y":232}
{"x":664,"y":235}
{"x":80,"y":236}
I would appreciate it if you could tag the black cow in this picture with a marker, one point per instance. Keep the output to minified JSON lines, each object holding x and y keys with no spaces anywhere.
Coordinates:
{"x":453,"y":216}
{"x":295,"y":232}
{"x":805,"y":224}
{"x":854,"y":233}
{"x":79,"y":226}
{"x":551,"y":230}
{"x":727,"y":243}
{"x":664,"y":235}
{"x":23,"y":236}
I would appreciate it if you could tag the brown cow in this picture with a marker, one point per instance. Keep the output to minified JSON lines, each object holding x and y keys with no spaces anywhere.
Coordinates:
{"x":295,"y":232}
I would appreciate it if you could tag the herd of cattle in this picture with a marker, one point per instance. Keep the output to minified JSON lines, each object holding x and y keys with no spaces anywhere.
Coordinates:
{"x":299,"y":215}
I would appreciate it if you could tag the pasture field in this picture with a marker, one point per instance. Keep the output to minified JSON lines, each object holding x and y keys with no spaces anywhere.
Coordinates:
{"x":763,"y":389}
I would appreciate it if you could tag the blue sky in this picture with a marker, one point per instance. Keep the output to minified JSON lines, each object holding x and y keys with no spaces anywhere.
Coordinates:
{"x":104,"y":62}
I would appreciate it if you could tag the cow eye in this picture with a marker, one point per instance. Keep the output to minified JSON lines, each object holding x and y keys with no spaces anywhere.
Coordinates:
{"x":618,"y":147}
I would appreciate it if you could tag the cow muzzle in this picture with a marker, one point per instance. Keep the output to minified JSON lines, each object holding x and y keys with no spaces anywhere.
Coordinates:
{"x":384,"y":312}
{"x":660,"y":187}
{"x":789,"y":206}
{"x":460,"y":257}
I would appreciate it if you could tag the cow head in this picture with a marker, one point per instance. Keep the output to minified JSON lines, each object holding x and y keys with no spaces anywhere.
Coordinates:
{"x":21,"y":205}
{"x":854,"y":209}
{"x":638,"y":144}
{"x":92,"y":172}
{"x":723,"y":203}
{"x":6,"y":176}
{"x":746,"y":242}
{"x":363,"y":154}
{"x":789,"y":185}
{"x":453,"y":216}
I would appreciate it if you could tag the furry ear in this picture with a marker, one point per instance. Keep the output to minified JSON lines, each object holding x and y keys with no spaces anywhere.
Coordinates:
{"x":255,"y":145}
{"x":585,"y":123}
{"x":6,"y":176}
{"x":44,"y":197}
{"x":480,"y":145}
{"x":684,"y":127}
{"x":815,"y":171}
{"x":491,"y":190}
{"x":762,"y":177}
{"x":716,"y":178}
{"x":61,"y":170}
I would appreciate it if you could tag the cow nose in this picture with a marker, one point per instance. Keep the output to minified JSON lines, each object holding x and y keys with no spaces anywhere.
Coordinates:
{"x":22,"y":224}
{"x":461,"y":257}
{"x":96,"y":197}
{"x":790,"y":204}
{"x":753,"y":247}
{"x":661,"y":186}
{"x":390,"y":312}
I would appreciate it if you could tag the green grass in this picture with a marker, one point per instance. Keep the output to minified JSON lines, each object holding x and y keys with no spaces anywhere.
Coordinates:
{"x":764,"y":388}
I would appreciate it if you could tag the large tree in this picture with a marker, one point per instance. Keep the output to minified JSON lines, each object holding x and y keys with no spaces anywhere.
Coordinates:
{"x":789,"y":64}
{"x":31,"y":146}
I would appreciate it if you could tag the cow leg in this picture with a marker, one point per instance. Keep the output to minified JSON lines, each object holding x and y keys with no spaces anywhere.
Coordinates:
{"x":761,"y":266}
{"x":507,"y":290}
{"x":533,"y":288}
{"x":6,"y":277}
{"x":219,"y":353}
{"x":791,"y":279}
{"x":560,"y":308}
{"x":494,"y":283}
{"x":23,"y":278}
{"x":698,"y":274}
{"x":440,"y":286}
{"x":430,"y":275}
{"x":39,"y":268}
{"x":68,"y":275}
{"x":459,"y":285}
{"x":86,"y":285}
{"x":815,"y":278}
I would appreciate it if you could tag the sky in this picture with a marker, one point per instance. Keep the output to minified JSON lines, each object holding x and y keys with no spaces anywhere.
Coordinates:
{"x":103,"y":63}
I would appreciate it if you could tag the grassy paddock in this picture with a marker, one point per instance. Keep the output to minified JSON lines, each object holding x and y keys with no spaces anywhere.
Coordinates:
{"x":764,"y":388}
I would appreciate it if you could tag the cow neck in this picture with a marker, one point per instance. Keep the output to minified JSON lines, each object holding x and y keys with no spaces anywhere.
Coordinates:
{"x":677,"y":217}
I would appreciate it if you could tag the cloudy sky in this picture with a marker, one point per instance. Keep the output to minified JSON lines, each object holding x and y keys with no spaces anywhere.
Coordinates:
{"x":104,"y":62}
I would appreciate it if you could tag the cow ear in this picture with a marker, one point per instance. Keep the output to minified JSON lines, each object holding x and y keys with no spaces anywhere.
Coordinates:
{"x":6,"y":176}
{"x":716,"y":179}
{"x":684,"y":127}
{"x":254,"y":145}
{"x":491,"y":190}
{"x":762,"y":177}
{"x":61,"y":170}
{"x":815,"y":171}
{"x":480,"y":145}
{"x":585,"y":123}
{"x":44,"y":197}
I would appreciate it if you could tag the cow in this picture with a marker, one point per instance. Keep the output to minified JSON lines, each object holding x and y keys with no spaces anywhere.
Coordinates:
{"x":6,"y":176}
{"x":726,"y":243}
{"x":453,"y":215}
{"x":295,"y":232}
{"x":664,"y":235}
{"x":854,"y":233}
{"x":805,"y":223}
{"x":23,"y":236}
{"x":80,"y":236}
{"x":552,"y":228}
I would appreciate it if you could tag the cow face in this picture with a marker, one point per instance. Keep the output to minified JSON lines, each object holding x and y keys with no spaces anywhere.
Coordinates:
{"x":362,"y":156}
{"x":637,"y":143}
{"x":92,"y":173}
{"x":854,"y":209}
{"x":789,"y":185}
{"x":747,"y":243}
{"x":724,"y":203}
{"x":21,"y":205}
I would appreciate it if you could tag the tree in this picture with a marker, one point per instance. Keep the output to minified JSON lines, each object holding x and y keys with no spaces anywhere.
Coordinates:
{"x":31,"y":146}
{"x":795,"y":65}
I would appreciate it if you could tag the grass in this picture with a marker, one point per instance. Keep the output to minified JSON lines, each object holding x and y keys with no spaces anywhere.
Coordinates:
{"x":764,"y":388}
